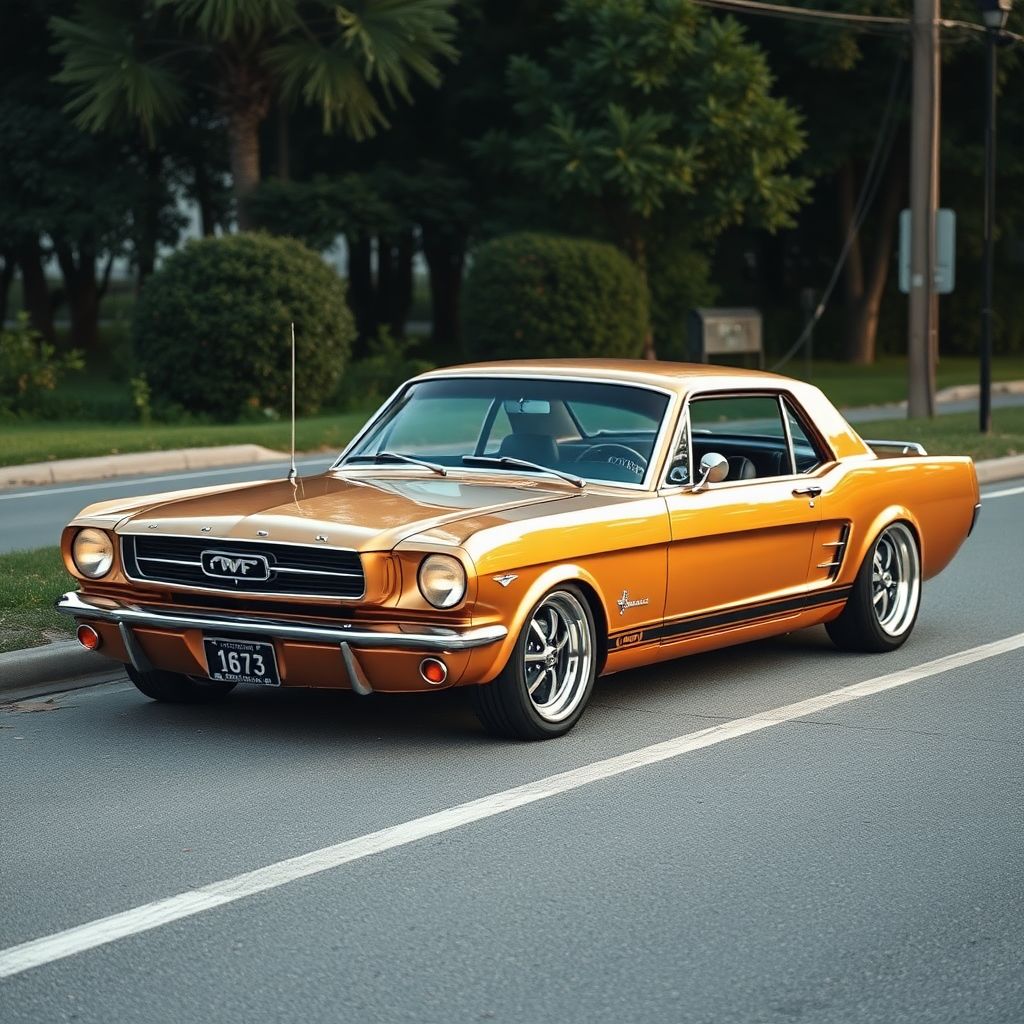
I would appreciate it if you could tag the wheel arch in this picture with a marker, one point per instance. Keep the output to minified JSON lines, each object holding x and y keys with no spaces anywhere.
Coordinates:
{"x":543,"y":583}
{"x":866,"y":537}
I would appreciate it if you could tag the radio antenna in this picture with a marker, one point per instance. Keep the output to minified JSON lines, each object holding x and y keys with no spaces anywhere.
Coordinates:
{"x":292,"y":472}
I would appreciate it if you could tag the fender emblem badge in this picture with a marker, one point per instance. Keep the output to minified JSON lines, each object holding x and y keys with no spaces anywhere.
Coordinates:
{"x":506,"y":579}
{"x":624,"y":602}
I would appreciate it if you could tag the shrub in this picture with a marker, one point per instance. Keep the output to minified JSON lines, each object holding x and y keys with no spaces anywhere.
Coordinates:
{"x":389,"y":363}
{"x":212,"y":328}
{"x":531,"y":295}
{"x":29,"y":367}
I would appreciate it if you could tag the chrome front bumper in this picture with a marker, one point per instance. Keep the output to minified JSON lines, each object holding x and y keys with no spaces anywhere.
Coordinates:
{"x":406,"y":637}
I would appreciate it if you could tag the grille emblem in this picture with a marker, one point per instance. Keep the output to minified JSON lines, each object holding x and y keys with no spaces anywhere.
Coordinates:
{"x":225,"y":565}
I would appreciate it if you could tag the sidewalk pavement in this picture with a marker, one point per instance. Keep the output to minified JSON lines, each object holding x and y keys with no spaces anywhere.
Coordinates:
{"x":104,"y":467}
{"x":66,"y":665}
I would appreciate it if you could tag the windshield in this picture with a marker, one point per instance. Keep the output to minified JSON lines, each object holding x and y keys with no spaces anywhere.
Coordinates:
{"x":590,"y":430}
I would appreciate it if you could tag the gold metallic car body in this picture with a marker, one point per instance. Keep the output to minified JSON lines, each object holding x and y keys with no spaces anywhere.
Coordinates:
{"x":667,"y":568}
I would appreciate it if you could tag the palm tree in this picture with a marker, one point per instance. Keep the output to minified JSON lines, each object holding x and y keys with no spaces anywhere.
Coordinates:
{"x":130,"y":64}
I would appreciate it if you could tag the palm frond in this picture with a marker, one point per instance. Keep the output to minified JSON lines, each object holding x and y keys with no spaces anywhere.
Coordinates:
{"x":236,"y":21}
{"x":112,"y":84}
{"x":330,"y":78}
{"x":399,"y":38}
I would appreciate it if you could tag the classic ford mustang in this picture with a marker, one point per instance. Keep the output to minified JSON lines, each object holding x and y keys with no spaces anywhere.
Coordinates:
{"x":521,"y":528}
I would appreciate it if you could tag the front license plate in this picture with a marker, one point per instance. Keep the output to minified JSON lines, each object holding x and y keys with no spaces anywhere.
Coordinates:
{"x":241,"y":661}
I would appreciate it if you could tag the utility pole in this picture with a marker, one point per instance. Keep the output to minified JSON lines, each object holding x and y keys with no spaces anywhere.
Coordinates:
{"x":922,"y":339}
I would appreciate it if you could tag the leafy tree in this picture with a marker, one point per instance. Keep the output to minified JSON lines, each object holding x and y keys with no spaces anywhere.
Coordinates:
{"x":645,"y":113}
{"x":87,"y":199}
{"x":128,"y":61}
{"x":65,"y":194}
{"x":413,"y":189}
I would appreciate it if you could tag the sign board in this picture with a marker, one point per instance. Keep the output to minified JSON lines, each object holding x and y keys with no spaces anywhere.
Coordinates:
{"x":945,"y":252}
{"x":718,"y":332}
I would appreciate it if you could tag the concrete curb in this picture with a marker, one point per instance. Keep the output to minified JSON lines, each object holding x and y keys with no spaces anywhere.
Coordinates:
{"x":72,"y":666}
{"x":65,"y":662}
{"x":104,"y":467}
{"x":963,"y":392}
{"x":991,"y":471}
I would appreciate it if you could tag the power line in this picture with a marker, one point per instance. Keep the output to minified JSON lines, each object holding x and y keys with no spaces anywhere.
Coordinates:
{"x":805,"y":14}
{"x":872,"y":179}
{"x":866,"y":22}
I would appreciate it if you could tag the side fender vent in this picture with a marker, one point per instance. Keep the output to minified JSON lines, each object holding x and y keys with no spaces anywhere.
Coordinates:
{"x":836,"y":551}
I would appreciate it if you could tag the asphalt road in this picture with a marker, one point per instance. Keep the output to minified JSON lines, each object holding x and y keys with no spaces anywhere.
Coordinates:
{"x":33,"y":517}
{"x":859,"y":858}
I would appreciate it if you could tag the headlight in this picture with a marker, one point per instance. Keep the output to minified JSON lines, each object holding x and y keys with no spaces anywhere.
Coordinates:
{"x":442,"y":580}
{"x":93,"y":553}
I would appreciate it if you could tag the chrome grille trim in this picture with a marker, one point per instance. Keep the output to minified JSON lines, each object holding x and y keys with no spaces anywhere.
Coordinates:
{"x":296,"y":570}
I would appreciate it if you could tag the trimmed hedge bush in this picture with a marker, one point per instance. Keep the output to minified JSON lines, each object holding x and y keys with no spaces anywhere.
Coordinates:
{"x":212,"y":328}
{"x":541,"y":296}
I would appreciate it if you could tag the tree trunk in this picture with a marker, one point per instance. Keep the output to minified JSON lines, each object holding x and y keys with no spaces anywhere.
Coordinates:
{"x":204,"y":197}
{"x":445,"y":265}
{"x":148,"y":218}
{"x":362,"y":297}
{"x":6,"y":277}
{"x":403,"y":284}
{"x":385,"y":282}
{"x":394,"y":282}
{"x":244,"y":140}
{"x":283,"y":144}
{"x":35,"y":291}
{"x":84,"y":293}
{"x":865,"y":283}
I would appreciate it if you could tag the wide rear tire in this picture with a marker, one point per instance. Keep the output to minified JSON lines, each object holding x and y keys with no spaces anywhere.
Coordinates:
{"x":173,"y":688}
{"x":543,"y":689}
{"x":882,"y":609}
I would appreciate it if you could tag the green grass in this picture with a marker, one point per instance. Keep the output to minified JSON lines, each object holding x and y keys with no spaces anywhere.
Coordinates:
{"x":956,"y":433}
{"x":25,"y":441}
{"x":30,"y":581}
{"x":886,"y":380}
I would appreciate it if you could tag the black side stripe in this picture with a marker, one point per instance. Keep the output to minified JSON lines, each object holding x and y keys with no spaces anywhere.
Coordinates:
{"x":696,"y":625}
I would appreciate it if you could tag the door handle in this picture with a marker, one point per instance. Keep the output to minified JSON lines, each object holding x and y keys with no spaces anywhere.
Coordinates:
{"x":807,"y":492}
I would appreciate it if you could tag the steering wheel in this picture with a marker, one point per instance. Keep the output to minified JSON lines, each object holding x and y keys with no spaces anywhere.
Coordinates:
{"x":619,"y":454}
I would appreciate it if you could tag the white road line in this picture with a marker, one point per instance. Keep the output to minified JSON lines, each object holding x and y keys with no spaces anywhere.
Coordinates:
{"x":50,"y":948}
{"x":1002,"y":494}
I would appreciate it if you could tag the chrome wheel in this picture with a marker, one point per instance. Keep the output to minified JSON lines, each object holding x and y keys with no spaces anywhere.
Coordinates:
{"x":885,"y":597}
{"x":895,"y":579}
{"x":557,"y":656}
{"x":546,"y":682}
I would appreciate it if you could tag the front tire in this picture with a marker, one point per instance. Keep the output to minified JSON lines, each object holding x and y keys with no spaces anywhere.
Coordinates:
{"x":173,"y":688}
{"x":882,"y":609}
{"x":542,"y":690}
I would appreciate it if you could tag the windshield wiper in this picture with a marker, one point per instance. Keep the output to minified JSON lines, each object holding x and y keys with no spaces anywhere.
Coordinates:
{"x":397,"y":457}
{"x":505,"y":460}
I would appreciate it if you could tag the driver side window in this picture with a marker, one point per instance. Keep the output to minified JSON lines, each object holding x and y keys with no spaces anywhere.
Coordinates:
{"x":747,"y":430}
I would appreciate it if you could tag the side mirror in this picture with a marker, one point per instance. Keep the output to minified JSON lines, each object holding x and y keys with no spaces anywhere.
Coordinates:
{"x":714,"y":468}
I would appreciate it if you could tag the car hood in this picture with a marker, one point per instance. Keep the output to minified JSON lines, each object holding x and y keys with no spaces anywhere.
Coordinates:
{"x":362,"y":512}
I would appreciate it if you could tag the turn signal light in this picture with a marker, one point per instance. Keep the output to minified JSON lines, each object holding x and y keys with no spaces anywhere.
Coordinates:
{"x":434,"y":671}
{"x":88,"y":638}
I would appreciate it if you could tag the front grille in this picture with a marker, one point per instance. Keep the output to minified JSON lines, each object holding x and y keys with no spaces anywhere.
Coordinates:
{"x":291,"y":569}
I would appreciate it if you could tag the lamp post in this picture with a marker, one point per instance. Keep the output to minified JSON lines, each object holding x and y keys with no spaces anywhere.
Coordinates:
{"x":994,"y":14}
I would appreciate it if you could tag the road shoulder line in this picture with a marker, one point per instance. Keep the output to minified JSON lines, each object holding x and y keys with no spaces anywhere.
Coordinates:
{"x":93,"y":934}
